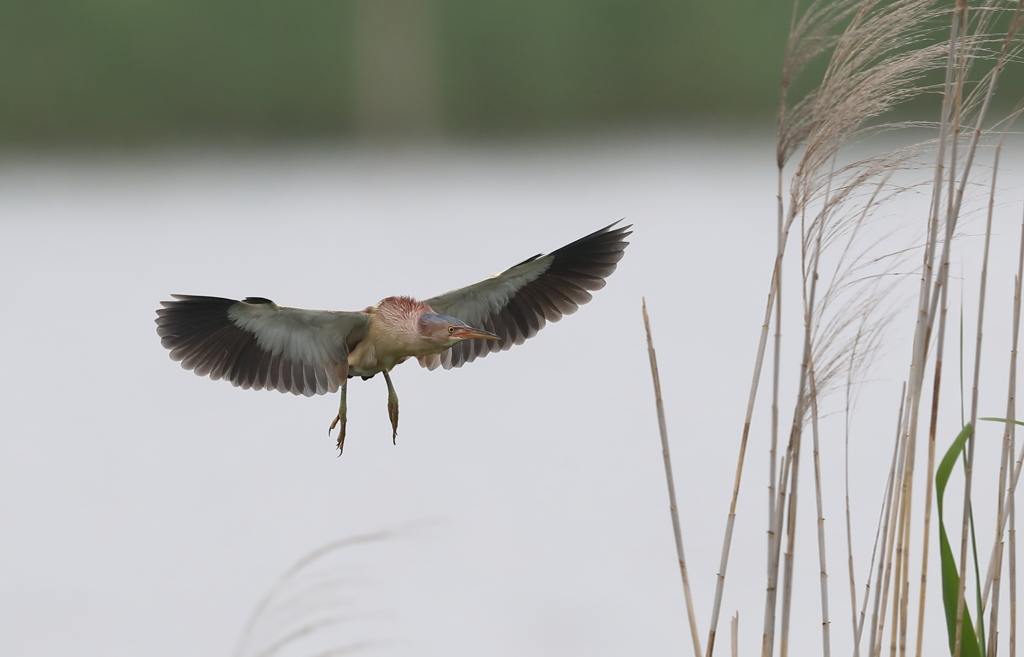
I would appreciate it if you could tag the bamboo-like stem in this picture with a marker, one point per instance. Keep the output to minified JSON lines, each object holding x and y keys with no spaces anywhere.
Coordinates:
{"x":774,"y":293}
{"x":731,"y":521}
{"x":904,"y":581}
{"x":929,"y":308}
{"x":774,"y":296}
{"x":1012,"y":492}
{"x":810,"y":267}
{"x":774,"y":302}
{"x":894,"y":536}
{"x":734,"y":634}
{"x":788,"y":558}
{"x":969,"y":470}
{"x":1011,"y":414}
{"x":974,"y":393}
{"x":994,"y":614}
{"x":924,"y":327}
{"x":901,"y":581}
{"x":823,"y":576}
{"x":881,"y":536}
{"x":774,"y":497}
{"x":776,"y":369}
{"x":902,"y":554}
{"x":892,"y":511}
{"x":813,"y":393}
{"x":1012,"y":563}
{"x":897,"y":582}
{"x":952,"y":210}
{"x":929,"y":496}
{"x":1006,"y":504}
{"x":662,"y":428}
{"x":849,"y":520}
{"x":1014,"y":480}
{"x":774,"y":550}
{"x":995,"y":565}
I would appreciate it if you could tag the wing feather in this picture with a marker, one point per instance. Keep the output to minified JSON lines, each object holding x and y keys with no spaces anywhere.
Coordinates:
{"x":520,"y":301}
{"x":257,"y":344}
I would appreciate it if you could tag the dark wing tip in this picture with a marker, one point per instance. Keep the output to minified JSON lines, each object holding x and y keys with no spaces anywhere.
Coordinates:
{"x":575,"y":270}
{"x":200,"y":333}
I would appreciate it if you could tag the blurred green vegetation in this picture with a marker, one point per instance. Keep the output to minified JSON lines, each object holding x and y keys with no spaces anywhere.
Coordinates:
{"x":134,"y":71}
{"x":543,"y":63}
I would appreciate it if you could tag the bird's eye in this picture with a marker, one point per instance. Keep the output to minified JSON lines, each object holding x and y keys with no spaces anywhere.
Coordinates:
{"x":451,"y":329}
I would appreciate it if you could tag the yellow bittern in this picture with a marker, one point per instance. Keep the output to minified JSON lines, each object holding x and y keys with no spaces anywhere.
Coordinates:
{"x":254,"y":343}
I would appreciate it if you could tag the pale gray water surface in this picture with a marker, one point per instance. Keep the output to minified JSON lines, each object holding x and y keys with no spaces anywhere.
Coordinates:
{"x":145,"y":511}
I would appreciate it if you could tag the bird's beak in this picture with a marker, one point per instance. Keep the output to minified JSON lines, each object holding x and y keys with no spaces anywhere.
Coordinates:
{"x":470,"y":333}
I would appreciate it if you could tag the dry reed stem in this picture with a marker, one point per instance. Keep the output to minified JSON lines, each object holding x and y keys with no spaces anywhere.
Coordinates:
{"x":849,"y":521}
{"x":902,"y":552}
{"x":774,"y":549}
{"x":874,"y":65}
{"x":928,"y":501}
{"x":659,"y":404}
{"x":1006,"y":504}
{"x":1011,"y":414}
{"x":1008,"y":431}
{"x":926,"y":314}
{"x":813,"y":403}
{"x":954,"y":202}
{"x":904,"y":595}
{"x":734,"y":633}
{"x":890,"y":541}
{"x":1014,"y":480}
{"x":793,"y":454}
{"x":882,"y":539}
{"x":855,"y":88}
{"x":994,"y":618}
{"x":773,"y":452}
{"x":881,"y":533}
{"x":1012,"y":563}
{"x":968,"y":475}
{"x":755,"y":379}
{"x":995,"y":564}
{"x":1011,"y":491}
{"x":923,"y":327}
{"x":823,"y":577}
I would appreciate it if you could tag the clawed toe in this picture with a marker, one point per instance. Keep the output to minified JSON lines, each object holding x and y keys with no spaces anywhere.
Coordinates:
{"x":341,"y":433}
{"x":393,"y":414}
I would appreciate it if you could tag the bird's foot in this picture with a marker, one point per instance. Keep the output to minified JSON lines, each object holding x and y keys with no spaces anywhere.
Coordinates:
{"x":392,"y":407}
{"x":393,"y":414}
{"x":341,"y":432}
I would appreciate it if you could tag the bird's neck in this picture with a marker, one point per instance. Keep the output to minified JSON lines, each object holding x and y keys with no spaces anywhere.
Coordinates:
{"x":398,"y":310}
{"x":393,"y":335}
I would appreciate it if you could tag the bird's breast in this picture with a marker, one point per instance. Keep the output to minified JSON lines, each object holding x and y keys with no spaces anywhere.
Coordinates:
{"x":385,"y":346}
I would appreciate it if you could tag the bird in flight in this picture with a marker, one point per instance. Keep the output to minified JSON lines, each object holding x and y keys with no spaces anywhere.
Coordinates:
{"x":255,"y":343}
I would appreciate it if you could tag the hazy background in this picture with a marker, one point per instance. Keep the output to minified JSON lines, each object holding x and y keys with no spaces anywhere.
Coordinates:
{"x":326,"y":154}
{"x":115,"y":72}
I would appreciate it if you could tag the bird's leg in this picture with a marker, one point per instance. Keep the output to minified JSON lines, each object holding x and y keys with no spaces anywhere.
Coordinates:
{"x":392,"y":408}
{"x":341,"y":418}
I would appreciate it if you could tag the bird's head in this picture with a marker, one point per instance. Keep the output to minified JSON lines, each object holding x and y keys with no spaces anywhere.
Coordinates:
{"x":445,"y":331}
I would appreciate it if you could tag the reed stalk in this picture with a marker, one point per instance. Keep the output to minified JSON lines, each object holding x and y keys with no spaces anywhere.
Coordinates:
{"x":877,"y":53}
{"x":1011,"y":414}
{"x":734,"y":633}
{"x":673,"y":508}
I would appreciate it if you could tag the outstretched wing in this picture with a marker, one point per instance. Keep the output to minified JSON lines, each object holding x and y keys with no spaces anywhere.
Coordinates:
{"x":518,"y":302}
{"x":257,"y":344}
